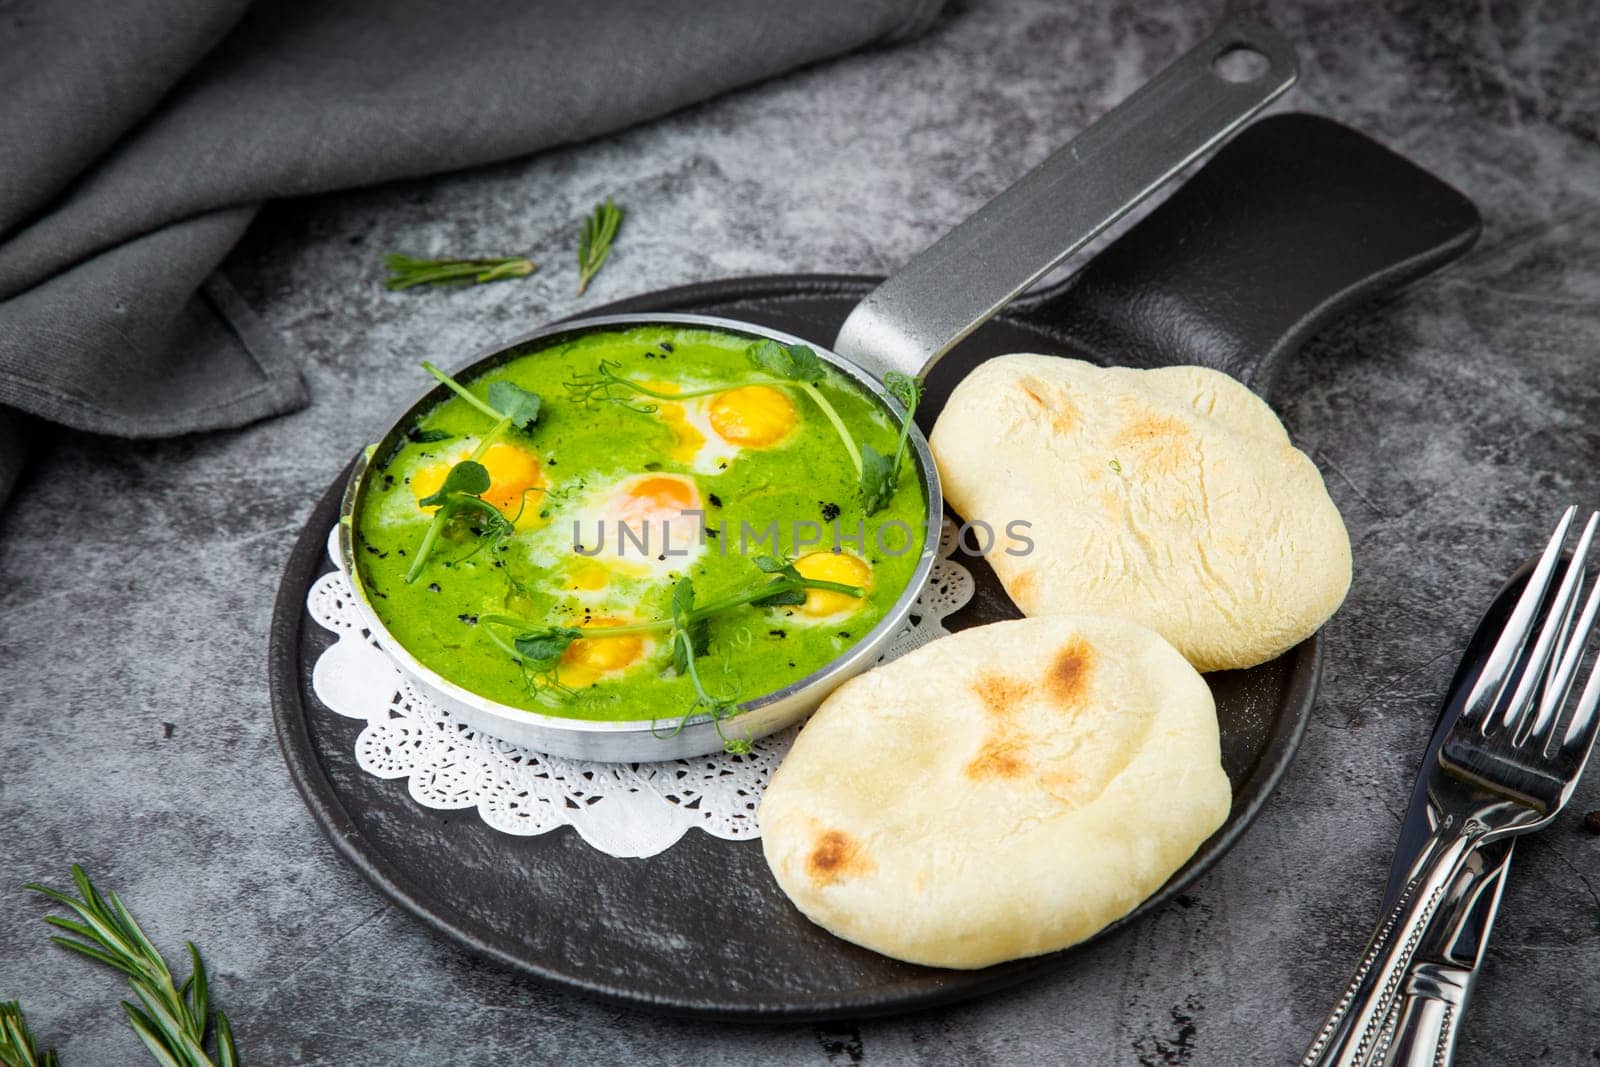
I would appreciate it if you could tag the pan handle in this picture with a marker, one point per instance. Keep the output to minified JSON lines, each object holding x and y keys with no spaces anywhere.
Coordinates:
{"x":965,"y":277}
{"x":1290,"y":224}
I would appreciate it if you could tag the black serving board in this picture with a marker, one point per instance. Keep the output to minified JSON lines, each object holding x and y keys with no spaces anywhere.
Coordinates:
{"x":1293,"y":222}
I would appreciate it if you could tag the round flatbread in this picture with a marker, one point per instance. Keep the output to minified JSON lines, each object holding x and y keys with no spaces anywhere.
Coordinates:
{"x":1001,"y":792}
{"x":1171,"y":497}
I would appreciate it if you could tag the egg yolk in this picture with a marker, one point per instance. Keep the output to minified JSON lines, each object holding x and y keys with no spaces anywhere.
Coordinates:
{"x":512,"y":473}
{"x":686,"y":438}
{"x":590,"y":576}
{"x":587,"y":659}
{"x":838,"y":567}
{"x":657,"y":497}
{"x":755,"y":416}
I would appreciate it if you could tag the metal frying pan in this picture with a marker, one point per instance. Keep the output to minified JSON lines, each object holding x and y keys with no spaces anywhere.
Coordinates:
{"x":907,"y":324}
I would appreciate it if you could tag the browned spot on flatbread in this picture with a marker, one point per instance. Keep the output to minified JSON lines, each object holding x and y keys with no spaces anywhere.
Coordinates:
{"x":1020,"y":585}
{"x":1000,"y":757}
{"x":835,"y":855}
{"x":999,"y":692}
{"x":1051,"y":403}
{"x":1158,"y":442}
{"x":1067,"y":679}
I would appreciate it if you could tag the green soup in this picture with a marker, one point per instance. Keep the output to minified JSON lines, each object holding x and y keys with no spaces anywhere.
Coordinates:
{"x":615,"y":496}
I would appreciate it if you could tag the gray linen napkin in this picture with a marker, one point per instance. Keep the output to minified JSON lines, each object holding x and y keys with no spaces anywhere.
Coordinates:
{"x":139,"y":137}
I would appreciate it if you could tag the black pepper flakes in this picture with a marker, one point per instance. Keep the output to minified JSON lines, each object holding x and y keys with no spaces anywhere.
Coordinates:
{"x":666,"y":346}
{"x":470,"y":620}
{"x":433,"y":587}
{"x":829,"y":511}
{"x":779,"y":634}
{"x":716,"y":501}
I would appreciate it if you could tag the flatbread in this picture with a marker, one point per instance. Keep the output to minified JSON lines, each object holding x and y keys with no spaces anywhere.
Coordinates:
{"x":1001,"y":792}
{"x":1172,"y":497}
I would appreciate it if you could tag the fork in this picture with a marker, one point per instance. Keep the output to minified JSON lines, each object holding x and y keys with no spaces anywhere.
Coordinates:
{"x":1501,"y":772}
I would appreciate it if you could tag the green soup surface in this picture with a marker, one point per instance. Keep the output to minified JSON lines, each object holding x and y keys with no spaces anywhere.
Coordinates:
{"x":615,"y":496}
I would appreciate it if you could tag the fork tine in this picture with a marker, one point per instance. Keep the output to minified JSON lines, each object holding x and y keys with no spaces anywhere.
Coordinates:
{"x":1581,"y":731}
{"x":1496,"y":675}
{"x":1566,"y":671}
{"x":1520,"y":710}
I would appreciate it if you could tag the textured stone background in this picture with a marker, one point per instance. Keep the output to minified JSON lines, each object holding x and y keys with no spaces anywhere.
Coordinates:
{"x":1452,"y":423}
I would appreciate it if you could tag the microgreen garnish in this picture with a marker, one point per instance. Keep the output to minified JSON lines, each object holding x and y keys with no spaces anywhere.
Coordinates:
{"x":594,"y":241}
{"x":880,"y":476}
{"x":691,"y":638}
{"x":407,"y":271}
{"x":17,"y":1045}
{"x":170,"y":1018}
{"x":464,"y":484}
{"x":606,"y":384}
{"x":803,"y":368}
{"x":775,"y":583}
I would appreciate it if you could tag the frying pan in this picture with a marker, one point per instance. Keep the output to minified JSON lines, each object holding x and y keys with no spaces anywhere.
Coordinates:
{"x":905,"y":325}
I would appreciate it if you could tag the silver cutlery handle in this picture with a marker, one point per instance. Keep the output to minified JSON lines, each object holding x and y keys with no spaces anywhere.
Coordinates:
{"x":1430,"y":1017}
{"x":964,"y":278}
{"x":1355,"y":1029}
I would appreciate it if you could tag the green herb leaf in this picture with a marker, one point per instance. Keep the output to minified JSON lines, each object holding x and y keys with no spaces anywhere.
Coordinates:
{"x":788,"y":596}
{"x":594,"y":241}
{"x":17,"y":1045}
{"x":877,"y":480}
{"x":171,"y":1017}
{"x":880,"y":475}
{"x":904,"y":388}
{"x":469,"y":477}
{"x":514,"y":403}
{"x":545,"y":647}
{"x":795,"y":363}
{"x":408,"y":271}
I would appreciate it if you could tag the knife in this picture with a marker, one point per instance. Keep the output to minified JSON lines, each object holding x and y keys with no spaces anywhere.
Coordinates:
{"x":1424,"y":1028}
{"x":1424,"y":1025}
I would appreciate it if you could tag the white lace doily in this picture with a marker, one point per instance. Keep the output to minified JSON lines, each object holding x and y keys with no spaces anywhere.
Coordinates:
{"x":622,"y":809}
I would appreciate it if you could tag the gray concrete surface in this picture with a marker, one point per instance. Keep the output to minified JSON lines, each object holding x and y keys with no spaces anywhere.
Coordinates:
{"x":1452,"y":422}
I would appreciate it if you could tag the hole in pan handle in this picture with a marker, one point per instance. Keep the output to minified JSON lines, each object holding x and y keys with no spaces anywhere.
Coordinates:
{"x":964,"y":278}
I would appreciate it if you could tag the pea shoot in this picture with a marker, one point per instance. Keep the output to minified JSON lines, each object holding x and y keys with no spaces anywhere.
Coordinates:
{"x":775,"y":583}
{"x":464,"y":484}
{"x":797,"y":366}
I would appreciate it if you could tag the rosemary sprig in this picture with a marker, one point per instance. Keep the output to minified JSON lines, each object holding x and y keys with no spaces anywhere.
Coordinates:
{"x":17,"y":1046}
{"x":407,"y":271}
{"x":594,"y":241}
{"x":170,"y":1018}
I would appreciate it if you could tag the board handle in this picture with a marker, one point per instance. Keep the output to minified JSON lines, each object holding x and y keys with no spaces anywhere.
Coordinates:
{"x":1290,"y":224}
